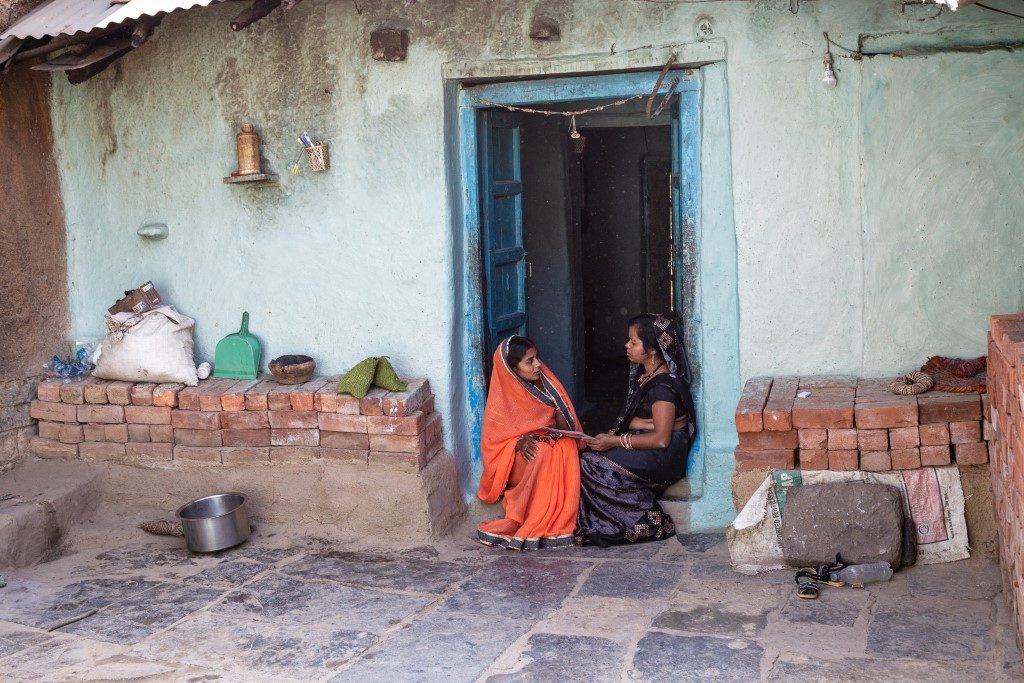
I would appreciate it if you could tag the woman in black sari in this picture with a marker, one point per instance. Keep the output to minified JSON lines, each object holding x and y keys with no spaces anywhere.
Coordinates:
{"x":627,"y":468}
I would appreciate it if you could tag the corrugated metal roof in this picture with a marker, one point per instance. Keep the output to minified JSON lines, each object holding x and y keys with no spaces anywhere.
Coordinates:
{"x":67,"y":17}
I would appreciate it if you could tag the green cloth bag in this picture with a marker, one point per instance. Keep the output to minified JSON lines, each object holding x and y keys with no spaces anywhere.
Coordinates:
{"x":386,"y":378}
{"x":357,"y":381}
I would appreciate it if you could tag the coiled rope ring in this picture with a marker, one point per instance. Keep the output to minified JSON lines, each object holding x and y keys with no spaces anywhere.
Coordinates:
{"x":912,"y":383}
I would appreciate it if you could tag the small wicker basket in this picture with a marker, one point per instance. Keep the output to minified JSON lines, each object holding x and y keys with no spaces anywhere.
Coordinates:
{"x":318,"y":159}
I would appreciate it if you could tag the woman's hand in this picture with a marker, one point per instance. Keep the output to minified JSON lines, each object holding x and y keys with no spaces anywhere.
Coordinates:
{"x":527,"y":447}
{"x":603,"y":442}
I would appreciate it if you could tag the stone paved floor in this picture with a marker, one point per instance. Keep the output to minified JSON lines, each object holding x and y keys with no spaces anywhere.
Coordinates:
{"x":311,"y":611}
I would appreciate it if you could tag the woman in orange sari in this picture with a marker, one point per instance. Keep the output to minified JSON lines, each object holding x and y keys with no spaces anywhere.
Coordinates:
{"x":537,"y":473}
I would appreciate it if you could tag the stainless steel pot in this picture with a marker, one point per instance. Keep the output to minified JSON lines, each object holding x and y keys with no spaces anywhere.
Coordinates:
{"x":214,"y":522}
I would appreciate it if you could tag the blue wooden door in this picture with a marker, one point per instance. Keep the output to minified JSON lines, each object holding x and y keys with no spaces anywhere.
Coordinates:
{"x":501,"y":197}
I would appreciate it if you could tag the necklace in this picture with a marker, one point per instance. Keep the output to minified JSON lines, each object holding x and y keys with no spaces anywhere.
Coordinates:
{"x":646,"y":377}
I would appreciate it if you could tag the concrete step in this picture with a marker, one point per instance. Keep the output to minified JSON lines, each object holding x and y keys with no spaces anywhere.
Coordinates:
{"x":40,"y":501}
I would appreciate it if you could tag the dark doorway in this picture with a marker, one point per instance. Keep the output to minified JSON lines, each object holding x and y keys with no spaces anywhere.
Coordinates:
{"x":597,"y":232}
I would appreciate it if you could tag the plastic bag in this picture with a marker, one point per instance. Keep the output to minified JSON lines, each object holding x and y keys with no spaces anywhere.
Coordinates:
{"x":78,"y":365}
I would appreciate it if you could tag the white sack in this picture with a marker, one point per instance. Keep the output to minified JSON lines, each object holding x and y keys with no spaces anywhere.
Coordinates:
{"x":932,"y":496}
{"x":155,"y":346}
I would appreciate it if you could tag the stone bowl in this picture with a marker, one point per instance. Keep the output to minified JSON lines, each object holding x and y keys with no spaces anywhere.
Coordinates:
{"x":292,"y":369}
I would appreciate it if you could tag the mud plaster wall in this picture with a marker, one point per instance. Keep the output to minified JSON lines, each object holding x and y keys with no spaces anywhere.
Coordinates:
{"x":835,"y":235}
{"x":33,"y":285}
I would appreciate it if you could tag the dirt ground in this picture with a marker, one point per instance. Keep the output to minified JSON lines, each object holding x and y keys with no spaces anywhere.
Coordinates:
{"x":119,"y":605}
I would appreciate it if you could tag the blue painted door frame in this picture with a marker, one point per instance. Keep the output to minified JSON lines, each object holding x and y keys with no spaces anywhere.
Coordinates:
{"x":686,"y":202}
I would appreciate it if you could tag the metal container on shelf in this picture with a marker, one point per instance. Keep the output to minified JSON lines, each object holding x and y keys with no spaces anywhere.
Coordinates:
{"x":213,"y":523}
{"x":247,"y":144}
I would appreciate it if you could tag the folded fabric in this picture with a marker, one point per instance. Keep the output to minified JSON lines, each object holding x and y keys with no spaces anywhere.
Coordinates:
{"x":372,"y":371}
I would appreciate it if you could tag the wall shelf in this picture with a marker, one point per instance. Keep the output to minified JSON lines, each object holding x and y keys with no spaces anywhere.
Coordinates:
{"x":251,"y":178}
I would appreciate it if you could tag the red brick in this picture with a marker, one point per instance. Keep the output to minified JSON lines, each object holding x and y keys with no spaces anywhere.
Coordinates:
{"x":246,"y":437}
{"x":194,"y":419}
{"x":301,"y":395}
{"x":971,"y":453}
{"x":345,"y":441}
{"x":138,"y":433}
{"x":115,"y":433}
{"x":422,"y":442}
{"x":166,"y":395}
{"x":71,"y":433}
{"x":256,"y":398}
{"x":843,"y":461}
{"x":935,"y":434}
{"x":49,"y":390}
{"x":784,"y":459}
{"x":902,"y":438}
{"x":233,"y":399}
{"x":356,"y":456}
{"x":778,"y":409}
{"x":148,"y":415}
{"x":815,"y":382}
{"x":872,"y":440}
{"x":206,"y":438}
{"x":294,"y":454}
{"x":373,"y":402}
{"x":824,"y":409}
{"x":986,"y":430}
{"x":905,"y":458}
{"x":188,"y":398}
{"x":813,"y":439}
{"x":325,"y":400}
{"x":50,"y":430}
{"x":46,"y":448}
{"x":986,"y":406}
{"x":211,"y":391}
{"x":842,"y":439}
{"x":349,"y":405}
{"x":197,"y":454}
{"x":95,"y":432}
{"x":142,"y":394}
{"x":101,"y":414}
{"x":875,"y":461}
{"x":293,"y":419}
{"x":965,"y":432}
{"x":143,"y":452}
{"x":294,"y":437}
{"x":101,"y":450}
{"x":54,"y":412}
{"x":161,"y":434}
{"x":248,"y":419}
{"x":414,"y":424}
{"x":119,"y":393}
{"x":405,"y":403}
{"x":244,"y":455}
{"x":885,"y":413}
{"x":73,"y":392}
{"x":749,"y":441}
{"x":813,"y":459}
{"x":935,"y":456}
{"x":96,"y":390}
{"x":938,"y":407}
{"x":279,"y":397}
{"x":339,"y":422}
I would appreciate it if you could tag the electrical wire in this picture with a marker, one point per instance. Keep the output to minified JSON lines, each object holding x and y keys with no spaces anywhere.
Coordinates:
{"x":1001,"y":11}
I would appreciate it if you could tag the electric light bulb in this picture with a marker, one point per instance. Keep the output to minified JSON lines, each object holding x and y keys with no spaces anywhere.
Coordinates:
{"x":829,"y":79}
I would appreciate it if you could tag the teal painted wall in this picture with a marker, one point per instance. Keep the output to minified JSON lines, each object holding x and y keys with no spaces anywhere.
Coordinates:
{"x":853,"y":230}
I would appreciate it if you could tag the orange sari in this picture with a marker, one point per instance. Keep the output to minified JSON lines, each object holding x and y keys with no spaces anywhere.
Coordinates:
{"x":541,"y":496}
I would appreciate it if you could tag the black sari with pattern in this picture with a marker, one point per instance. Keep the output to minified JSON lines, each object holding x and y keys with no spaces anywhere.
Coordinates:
{"x":620,"y":487}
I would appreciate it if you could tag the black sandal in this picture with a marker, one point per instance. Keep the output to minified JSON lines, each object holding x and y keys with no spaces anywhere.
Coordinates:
{"x":807,"y":584}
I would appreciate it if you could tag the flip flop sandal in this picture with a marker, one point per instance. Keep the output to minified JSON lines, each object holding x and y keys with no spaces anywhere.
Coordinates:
{"x":807,"y":584}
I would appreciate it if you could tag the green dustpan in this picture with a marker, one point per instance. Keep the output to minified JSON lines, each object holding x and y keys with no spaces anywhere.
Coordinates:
{"x":238,"y":354}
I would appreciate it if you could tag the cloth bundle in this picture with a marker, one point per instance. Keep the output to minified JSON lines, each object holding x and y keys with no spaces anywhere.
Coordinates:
{"x":372,"y":371}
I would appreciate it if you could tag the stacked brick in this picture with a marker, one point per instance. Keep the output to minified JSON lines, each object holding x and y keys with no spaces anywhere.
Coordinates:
{"x":1005,"y":423}
{"x":224,"y":422}
{"x":845,"y":423}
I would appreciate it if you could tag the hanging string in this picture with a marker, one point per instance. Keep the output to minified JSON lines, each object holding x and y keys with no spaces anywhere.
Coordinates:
{"x":571,"y":114}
